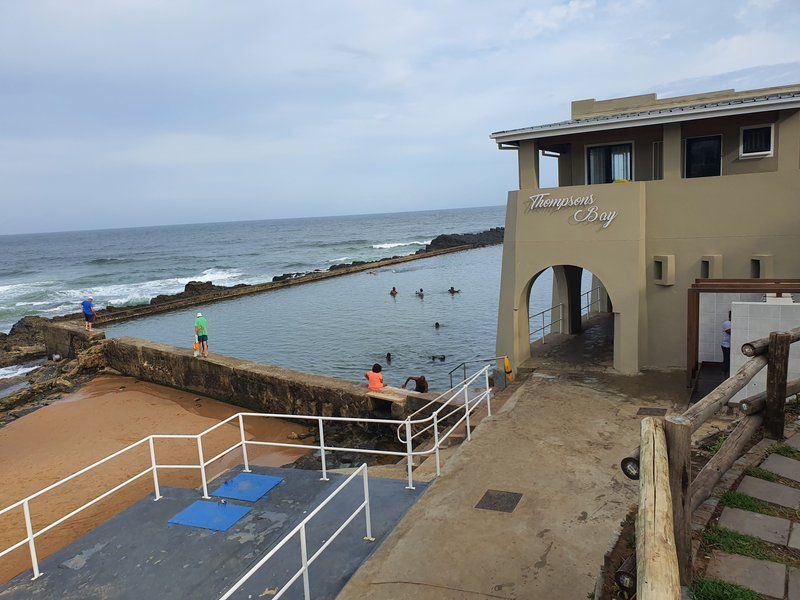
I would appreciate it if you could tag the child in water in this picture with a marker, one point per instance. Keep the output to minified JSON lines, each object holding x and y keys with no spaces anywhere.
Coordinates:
{"x":375,"y":378}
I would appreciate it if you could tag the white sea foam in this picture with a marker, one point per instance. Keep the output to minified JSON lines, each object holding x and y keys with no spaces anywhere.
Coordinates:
{"x":399,"y":244}
{"x":339,"y":260}
{"x":15,"y":371}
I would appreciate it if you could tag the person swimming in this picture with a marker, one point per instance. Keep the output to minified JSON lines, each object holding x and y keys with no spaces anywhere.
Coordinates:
{"x":420,"y":293}
{"x":389,"y":357}
{"x":453,"y":291}
{"x":439,"y":357}
{"x":437,"y":325}
{"x":420,"y":383}
{"x":393,"y":293}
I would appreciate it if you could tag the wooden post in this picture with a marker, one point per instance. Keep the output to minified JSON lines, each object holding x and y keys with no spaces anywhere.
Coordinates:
{"x":692,"y":333}
{"x":777,"y":370}
{"x":657,"y":574}
{"x":678,"y":431}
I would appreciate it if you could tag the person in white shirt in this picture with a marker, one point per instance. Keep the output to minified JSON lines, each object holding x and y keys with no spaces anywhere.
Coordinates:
{"x":726,"y":346}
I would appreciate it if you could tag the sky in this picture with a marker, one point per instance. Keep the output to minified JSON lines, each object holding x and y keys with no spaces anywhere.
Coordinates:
{"x":122,"y":113}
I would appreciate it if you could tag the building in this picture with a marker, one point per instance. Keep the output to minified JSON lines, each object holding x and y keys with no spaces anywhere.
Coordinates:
{"x":655,"y":196}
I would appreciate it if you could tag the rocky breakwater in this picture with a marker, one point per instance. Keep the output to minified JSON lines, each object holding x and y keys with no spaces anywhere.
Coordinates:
{"x":25,"y":342}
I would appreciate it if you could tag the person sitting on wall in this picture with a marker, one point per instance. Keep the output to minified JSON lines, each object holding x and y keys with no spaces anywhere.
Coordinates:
{"x":453,"y":291}
{"x":726,"y":346}
{"x":375,"y":378}
{"x":420,"y":383}
{"x":393,"y":293}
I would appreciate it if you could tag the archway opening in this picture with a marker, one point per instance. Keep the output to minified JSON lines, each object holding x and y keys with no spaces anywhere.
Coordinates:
{"x":570,"y":319}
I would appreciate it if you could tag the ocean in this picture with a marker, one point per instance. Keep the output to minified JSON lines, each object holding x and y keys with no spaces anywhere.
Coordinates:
{"x":335,"y":327}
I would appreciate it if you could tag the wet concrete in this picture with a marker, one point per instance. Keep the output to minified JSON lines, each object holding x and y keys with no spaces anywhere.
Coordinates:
{"x":592,"y":349}
{"x":138,"y":555}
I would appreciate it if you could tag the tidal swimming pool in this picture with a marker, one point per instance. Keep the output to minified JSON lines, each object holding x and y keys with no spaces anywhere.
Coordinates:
{"x":341,"y":326}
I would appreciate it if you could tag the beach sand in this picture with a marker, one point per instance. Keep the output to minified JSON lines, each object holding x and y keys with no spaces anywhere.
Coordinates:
{"x":95,"y":421}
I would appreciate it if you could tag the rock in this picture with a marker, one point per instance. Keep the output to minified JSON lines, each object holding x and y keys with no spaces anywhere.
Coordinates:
{"x":484,"y":238}
{"x":286,"y":276}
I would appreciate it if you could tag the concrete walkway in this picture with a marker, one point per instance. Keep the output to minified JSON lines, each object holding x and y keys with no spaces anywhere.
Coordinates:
{"x":557,"y":442}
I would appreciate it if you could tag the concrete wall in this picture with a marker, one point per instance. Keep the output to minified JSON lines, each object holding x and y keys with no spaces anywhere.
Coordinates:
{"x":754,"y":320}
{"x":260,"y":387}
{"x":68,"y":339}
{"x":714,"y":310}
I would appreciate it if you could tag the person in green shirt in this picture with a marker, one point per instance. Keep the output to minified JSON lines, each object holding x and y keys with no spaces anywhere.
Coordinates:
{"x":201,"y":331}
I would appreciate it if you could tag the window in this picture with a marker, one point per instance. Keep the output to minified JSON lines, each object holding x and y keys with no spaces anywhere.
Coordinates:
{"x":703,"y":156}
{"x":607,"y":164}
{"x":658,"y":160}
{"x":664,"y":269}
{"x":756,"y":141}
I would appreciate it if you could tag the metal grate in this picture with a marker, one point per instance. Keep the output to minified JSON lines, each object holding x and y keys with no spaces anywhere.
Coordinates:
{"x":652,"y":412}
{"x":499,"y":501}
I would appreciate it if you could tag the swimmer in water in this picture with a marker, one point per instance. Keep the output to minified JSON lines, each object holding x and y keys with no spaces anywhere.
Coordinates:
{"x":393,"y":293}
{"x":421,"y":293}
{"x":389,"y":357}
{"x":453,"y":291}
{"x":436,"y":325}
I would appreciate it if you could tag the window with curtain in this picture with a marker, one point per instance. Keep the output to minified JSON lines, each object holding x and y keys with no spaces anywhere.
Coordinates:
{"x":607,"y":164}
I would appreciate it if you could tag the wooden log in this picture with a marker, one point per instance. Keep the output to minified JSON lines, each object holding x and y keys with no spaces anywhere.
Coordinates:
{"x":777,"y":370}
{"x":719,"y":396}
{"x":731,"y":450}
{"x":657,"y":575}
{"x":678,"y":431}
{"x":760,"y":346}
{"x":755,"y":403}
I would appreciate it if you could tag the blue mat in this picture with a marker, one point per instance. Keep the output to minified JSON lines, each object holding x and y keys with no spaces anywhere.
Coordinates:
{"x":247,"y":486}
{"x":216,"y":516}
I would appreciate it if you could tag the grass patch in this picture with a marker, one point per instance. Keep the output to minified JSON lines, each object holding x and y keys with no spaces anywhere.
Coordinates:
{"x":761,"y":474}
{"x":786,"y":450}
{"x":713,"y":589}
{"x":735,"y":499}
{"x":732,"y":542}
{"x":717,"y":444}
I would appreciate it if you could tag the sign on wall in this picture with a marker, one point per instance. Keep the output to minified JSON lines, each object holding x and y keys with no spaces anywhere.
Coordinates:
{"x":585,"y":210}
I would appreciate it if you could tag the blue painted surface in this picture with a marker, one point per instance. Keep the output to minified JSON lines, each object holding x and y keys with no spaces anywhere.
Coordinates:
{"x":217,"y":516}
{"x":249,"y":487}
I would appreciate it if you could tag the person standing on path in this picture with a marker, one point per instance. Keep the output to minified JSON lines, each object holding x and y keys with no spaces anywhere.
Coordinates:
{"x":88,"y":313}
{"x":201,"y":331}
{"x":726,"y":346}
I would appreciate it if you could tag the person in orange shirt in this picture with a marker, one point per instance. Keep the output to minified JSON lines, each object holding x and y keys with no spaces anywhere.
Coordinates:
{"x":375,"y":378}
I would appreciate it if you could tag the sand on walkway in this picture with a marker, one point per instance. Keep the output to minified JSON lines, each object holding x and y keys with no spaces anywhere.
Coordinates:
{"x":102,"y":417}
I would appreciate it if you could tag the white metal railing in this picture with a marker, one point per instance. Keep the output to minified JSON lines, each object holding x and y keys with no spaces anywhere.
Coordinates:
{"x":586,"y":305}
{"x":547,"y":325}
{"x":468,"y":406}
{"x":300,"y":529}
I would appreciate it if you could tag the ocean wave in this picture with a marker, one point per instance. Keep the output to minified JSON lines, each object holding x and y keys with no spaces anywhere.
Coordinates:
{"x":16,"y":371}
{"x":108,"y":261}
{"x":399,"y":244}
{"x":341,"y":259}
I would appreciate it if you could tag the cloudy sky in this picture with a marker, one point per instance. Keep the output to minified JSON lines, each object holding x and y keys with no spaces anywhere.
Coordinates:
{"x":117,"y":113}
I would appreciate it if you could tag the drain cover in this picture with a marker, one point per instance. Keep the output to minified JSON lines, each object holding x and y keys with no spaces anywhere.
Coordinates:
{"x":499,"y":501}
{"x":652,"y":412}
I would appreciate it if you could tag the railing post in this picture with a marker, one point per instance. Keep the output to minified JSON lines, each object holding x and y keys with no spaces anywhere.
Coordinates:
{"x":202,"y":467}
{"x":322,"y":451}
{"x":678,"y":432}
{"x":543,"y":331}
{"x":368,"y":537}
{"x":436,"y":442}
{"x":31,"y":543}
{"x":489,"y":393}
{"x":157,"y":490}
{"x":466,"y":408}
{"x":304,"y":557}
{"x":409,"y":457}
{"x":244,"y":444}
{"x":777,"y":371}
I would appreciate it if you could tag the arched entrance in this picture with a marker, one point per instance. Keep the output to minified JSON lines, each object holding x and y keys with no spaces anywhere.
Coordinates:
{"x":571,"y":320}
{"x":593,"y":315}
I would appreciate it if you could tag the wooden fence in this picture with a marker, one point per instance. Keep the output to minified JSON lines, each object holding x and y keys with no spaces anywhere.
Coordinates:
{"x":668,"y":495}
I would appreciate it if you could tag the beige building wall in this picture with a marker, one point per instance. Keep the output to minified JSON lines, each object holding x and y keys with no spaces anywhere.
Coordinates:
{"x":753,"y":209}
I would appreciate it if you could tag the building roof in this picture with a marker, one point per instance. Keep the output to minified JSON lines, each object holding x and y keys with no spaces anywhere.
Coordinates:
{"x":741,"y":103}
